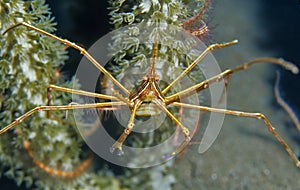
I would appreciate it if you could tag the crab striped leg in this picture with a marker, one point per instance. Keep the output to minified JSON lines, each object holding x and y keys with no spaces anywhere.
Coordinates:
{"x":64,"y":107}
{"x":196,"y":61}
{"x":259,"y":116}
{"x":205,"y":84}
{"x":184,"y":129}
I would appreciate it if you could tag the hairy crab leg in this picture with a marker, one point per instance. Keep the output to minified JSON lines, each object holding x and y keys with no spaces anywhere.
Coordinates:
{"x":198,"y":15}
{"x":198,"y":31}
{"x":75,"y":46}
{"x":259,"y":116}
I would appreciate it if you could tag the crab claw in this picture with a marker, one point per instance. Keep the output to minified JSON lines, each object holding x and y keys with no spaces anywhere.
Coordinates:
{"x":118,"y":148}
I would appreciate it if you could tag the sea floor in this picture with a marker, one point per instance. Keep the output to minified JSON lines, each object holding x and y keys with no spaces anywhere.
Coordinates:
{"x":245,"y":154}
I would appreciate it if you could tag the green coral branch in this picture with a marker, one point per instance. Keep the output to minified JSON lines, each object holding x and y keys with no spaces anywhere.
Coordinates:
{"x":29,"y":63}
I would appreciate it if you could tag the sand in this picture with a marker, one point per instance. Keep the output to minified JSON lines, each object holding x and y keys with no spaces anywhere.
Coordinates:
{"x":245,"y":155}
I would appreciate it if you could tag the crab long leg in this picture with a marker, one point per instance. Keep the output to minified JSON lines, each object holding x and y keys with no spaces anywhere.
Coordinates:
{"x":65,"y":107}
{"x":284,"y":105}
{"x":118,"y":144}
{"x":73,"y":91}
{"x":196,"y":61}
{"x":185,"y":130}
{"x":75,"y":46}
{"x":205,"y":84}
{"x":81,"y":92}
{"x":259,"y":116}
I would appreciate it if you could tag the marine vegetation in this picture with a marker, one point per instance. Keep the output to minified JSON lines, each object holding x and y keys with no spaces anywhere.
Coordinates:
{"x":45,"y":151}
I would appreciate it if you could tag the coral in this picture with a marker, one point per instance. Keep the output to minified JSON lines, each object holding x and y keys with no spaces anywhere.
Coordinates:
{"x":31,"y":61}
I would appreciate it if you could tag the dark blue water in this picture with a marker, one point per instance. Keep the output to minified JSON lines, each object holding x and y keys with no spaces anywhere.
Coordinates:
{"x":282,"y":24}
